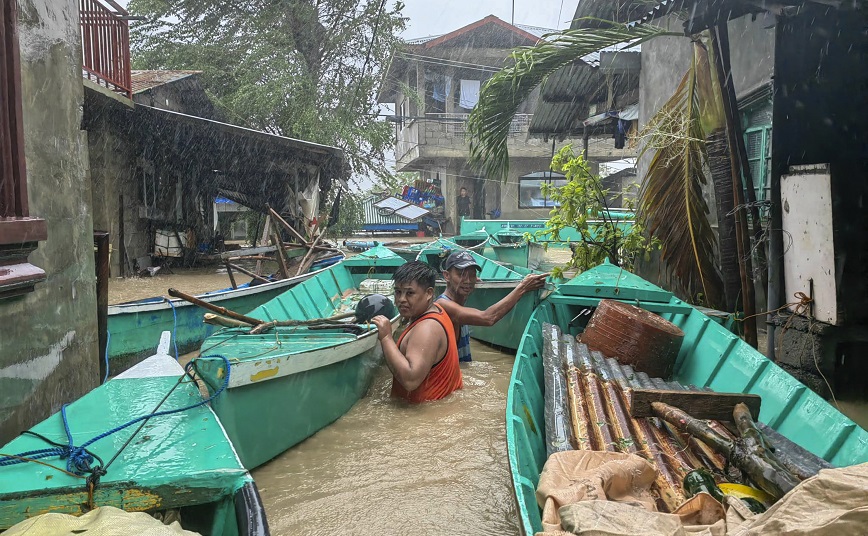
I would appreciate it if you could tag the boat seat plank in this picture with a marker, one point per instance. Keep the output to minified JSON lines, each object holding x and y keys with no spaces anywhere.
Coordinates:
{"x":699,"y":404}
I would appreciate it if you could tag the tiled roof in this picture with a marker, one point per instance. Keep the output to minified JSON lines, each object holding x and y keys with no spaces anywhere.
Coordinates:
{"x":144,"y":80}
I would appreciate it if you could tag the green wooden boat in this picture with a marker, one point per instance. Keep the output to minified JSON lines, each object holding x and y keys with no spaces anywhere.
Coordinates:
{"x":180,"y":462}
{"x":511,"y":247}
{"x":289,"y":382}
{"x":710,"y":357}
{"x":496,"y":280}
{"x":133,"y":327}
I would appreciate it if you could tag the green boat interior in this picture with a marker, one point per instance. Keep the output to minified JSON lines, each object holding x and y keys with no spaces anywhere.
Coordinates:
{"x":807,"y":431}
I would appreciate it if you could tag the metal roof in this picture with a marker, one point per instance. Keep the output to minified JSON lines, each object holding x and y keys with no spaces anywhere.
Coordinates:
{"x":391,"y":211}
{"x":568,"y":92}
{"x":145,"y":80}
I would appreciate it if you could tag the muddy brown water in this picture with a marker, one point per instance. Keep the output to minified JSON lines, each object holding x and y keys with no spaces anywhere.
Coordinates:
{"x":388,"y":468}
{"x":391,"y":468}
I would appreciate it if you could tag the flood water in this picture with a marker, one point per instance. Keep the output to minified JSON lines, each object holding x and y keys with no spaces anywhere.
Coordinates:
{"x":391,"y":468}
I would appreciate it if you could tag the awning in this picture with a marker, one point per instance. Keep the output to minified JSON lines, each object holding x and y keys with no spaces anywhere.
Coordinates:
{"x":247,"y":166}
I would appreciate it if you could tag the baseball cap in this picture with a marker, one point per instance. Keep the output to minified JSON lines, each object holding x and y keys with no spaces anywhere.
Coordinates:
{"x":461,"y":260}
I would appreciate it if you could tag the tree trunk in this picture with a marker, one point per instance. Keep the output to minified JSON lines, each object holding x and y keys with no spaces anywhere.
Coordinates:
{"x":721,"y":176}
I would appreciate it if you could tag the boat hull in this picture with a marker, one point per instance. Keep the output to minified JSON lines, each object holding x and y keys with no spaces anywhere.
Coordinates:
{"x":710,"y":357}
{"x":134,"y":326}
{"x":524,"y":254}
{"x":268,"y":415}
{"x":181,"y":461}
{"x":289,"y":382}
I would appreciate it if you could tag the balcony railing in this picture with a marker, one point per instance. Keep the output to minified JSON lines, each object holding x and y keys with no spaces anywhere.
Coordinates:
{"x":457,"y":123}
{"x":105,"y":45}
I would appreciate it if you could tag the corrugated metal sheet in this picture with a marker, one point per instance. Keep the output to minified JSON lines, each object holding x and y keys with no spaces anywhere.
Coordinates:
{"x":607,"y":10}
{"x":387,"y":216}
{"x":144,"y":80}
{"x":600,"y":411}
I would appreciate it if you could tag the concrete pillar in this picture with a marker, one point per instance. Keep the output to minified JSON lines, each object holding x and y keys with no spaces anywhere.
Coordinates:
{"x":450,"y":100}
{"x":420,"y":87}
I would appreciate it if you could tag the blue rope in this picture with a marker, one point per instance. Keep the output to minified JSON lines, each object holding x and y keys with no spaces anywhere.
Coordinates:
{"x":78,"y":459}
{"x":174,"y":327}
{"x":108,"y":342}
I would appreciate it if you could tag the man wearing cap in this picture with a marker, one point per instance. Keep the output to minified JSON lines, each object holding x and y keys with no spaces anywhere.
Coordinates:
{"x":459,"y":271}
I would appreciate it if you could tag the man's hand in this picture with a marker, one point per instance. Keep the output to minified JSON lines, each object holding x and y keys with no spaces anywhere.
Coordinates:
{"x":532,"y":282}
{"x":384,"y":326}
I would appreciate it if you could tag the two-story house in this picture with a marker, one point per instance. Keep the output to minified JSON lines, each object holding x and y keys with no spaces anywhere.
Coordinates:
{"x":434,"y":83}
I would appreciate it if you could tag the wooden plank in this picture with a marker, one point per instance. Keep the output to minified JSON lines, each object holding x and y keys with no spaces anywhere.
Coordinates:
{"x":704,"y":405}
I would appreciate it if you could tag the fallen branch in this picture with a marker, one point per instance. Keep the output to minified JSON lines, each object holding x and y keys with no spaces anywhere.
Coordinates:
{"x":265,"y":326}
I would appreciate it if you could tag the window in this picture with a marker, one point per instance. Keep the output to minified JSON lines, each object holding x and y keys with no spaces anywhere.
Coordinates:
{"x":19,"y":233}
{"x":530,"y":193}
{"x":757,"y":124}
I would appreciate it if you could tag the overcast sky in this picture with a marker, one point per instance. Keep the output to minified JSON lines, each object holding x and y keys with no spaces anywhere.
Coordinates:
{"x":429,"y":17}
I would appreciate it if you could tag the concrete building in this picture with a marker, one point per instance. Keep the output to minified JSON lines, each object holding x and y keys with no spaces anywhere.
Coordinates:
{"x":797,"y":76}
{"x":48,"y":305}
{"x":433,"y":83}
{"x":102,"y":153}
{"x":161,"y":158}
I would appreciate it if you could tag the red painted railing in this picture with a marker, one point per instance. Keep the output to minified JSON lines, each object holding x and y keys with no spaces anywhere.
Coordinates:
{"x":105,"y":46}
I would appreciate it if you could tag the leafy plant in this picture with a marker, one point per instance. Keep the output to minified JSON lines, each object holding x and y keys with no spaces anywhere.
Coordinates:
{"x":351,"y":215}
{"x":300,"y":69}
{"x":584,"y":207}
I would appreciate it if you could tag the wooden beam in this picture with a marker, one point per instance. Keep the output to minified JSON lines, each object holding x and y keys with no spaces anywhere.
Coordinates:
{"x":284,"y":271}
{"x":229,"y":273}
{"x":704,"y":405}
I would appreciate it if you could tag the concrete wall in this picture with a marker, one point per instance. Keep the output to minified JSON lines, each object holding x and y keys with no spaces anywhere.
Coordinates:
{"x":48,"y":348}
{"x":113,"y":174}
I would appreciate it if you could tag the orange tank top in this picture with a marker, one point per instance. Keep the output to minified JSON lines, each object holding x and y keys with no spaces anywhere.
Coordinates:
{"x":445,"y":376}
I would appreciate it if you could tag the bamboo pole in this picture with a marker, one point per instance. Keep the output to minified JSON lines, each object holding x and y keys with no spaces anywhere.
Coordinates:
{"x":748,"y":297}
{"x":335,"y":319}
{"x":217,"y":320}
{"x":229,"y":272}
{"x":262,"y":241}
{"x":286,"y":225}
{"x":307,"y":261}
{"x":248,"y":272}
{"x":214,"y":308}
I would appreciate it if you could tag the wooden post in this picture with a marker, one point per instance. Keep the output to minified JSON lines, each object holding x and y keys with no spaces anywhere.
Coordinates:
{"x":262,"y":241}
{"x":229,"y":271}
{"x":741,"y":229}
{"x":101,"y":241}
{"x":281,"y":259}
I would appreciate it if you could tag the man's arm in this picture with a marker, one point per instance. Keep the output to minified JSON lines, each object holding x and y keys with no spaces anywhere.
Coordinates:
{"x":469,"y":316}
{"x":424,"y":344}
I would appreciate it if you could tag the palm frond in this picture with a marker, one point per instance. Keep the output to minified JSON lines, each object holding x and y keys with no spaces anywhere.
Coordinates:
{"x":500,"y":98}
{"x":671,"y":196}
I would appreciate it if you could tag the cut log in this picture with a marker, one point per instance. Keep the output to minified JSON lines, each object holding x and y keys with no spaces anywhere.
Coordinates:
{"x":750,"y":453}
{"x":698,"y":404}
{"x":634,"y":337}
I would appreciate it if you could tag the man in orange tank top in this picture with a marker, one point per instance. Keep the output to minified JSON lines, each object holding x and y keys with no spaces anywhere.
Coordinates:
{"x":424,"y":360}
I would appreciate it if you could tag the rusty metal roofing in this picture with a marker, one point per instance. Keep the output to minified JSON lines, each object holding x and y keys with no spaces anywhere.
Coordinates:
{"x":145,"y":80}
{"x":598,"y":398}
{"x":607,"y":10}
